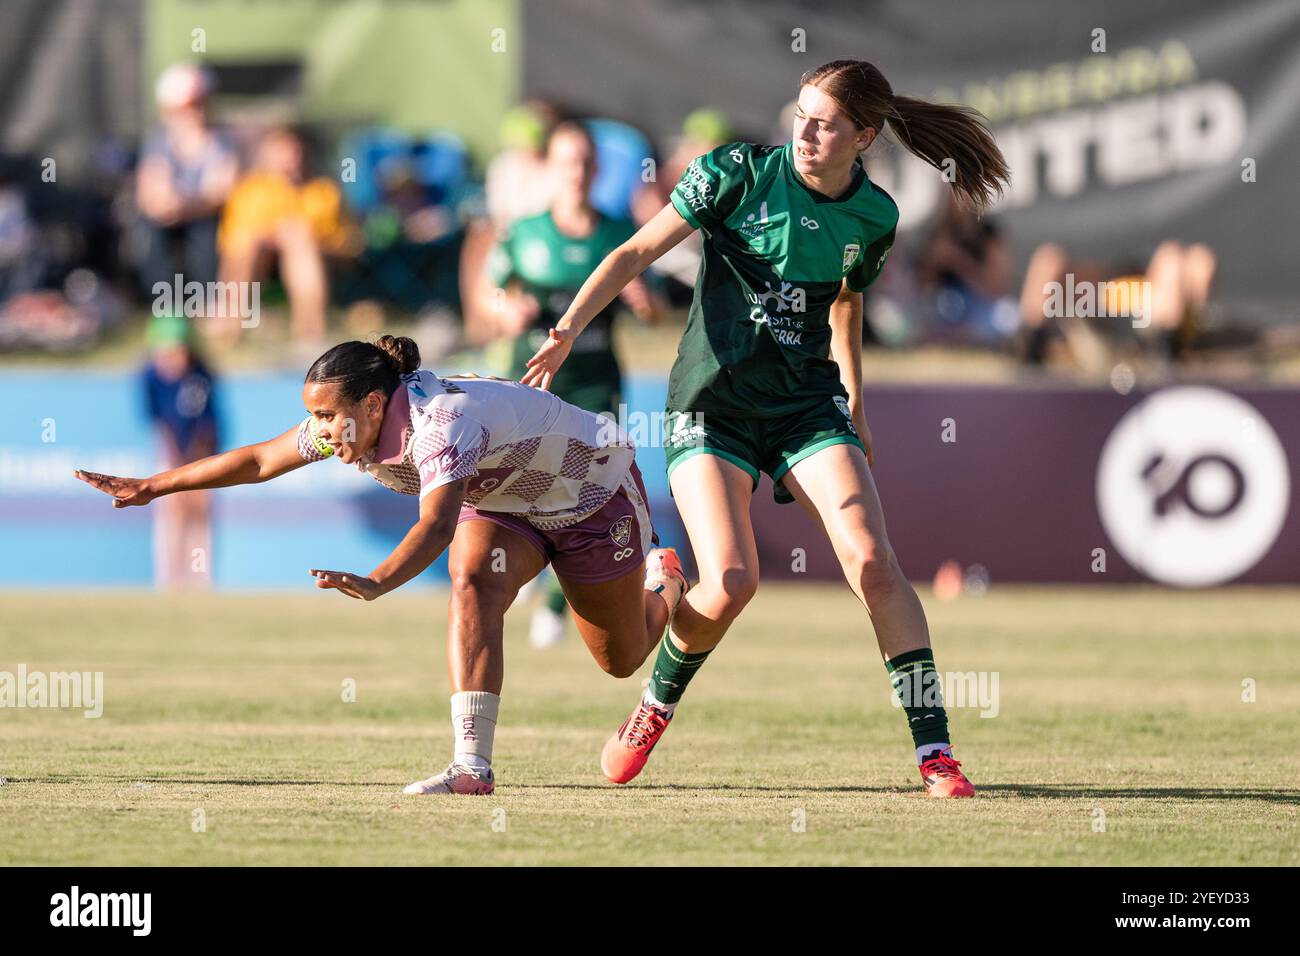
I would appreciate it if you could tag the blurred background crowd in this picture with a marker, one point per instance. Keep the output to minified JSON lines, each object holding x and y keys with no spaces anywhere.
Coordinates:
{"x":378,"y":227}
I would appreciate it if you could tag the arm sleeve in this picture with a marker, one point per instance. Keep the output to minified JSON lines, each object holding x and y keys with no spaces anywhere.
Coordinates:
{"x":449,"y":453}
{"x":872,"y":261}
{"x":310,"y":445}
{"x":713,"y":185}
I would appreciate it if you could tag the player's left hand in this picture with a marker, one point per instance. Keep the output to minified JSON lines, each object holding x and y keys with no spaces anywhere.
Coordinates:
{"x":353,"y":585}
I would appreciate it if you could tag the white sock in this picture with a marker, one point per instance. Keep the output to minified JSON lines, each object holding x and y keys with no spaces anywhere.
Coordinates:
{"x":473,"y":725}
{"x":923,"y":752}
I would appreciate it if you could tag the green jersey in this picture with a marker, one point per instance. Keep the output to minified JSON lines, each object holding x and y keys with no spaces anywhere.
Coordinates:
{"x":552,"y":267}
{"x":776,"y":254}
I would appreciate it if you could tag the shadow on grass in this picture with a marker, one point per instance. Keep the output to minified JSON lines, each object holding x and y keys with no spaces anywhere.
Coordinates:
{"x":1072,"y":791}
{"x":1030,"y":791}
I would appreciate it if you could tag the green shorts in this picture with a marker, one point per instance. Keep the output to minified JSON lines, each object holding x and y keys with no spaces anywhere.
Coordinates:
{"x":771,"y":445}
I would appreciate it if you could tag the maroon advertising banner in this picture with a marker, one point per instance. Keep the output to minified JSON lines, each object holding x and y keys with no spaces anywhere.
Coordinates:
{"x":1188,"y":486}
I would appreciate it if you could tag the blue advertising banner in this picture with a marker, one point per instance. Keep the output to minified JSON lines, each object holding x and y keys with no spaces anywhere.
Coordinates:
{"x":1189,"y":486}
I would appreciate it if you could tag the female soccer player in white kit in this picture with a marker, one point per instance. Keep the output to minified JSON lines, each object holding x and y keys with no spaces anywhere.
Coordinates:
{"x":509,"y":477}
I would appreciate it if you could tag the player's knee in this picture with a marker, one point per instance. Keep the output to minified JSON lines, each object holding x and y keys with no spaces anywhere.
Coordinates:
{"x":874,"y":567}
{"x":734,"y":589}
{"x":618,"y":664}
{"x":481,"y":588}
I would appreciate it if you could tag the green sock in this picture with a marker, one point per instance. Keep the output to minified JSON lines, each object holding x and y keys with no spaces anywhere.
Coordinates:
{"x":673,"y":670}
{"x":555,"y":598}
{"x":917,"y":685}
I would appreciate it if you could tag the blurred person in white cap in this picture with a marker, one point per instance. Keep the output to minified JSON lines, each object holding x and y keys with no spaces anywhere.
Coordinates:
{"x":187,"y":169}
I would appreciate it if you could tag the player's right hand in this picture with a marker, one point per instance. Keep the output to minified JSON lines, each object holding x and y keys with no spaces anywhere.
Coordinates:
{"x":124,"y":491}
{"x":543,"y":366}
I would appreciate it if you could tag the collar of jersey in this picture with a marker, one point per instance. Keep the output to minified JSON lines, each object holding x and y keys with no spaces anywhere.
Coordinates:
{"x":394,"y":430}
{"x":859,"y":177}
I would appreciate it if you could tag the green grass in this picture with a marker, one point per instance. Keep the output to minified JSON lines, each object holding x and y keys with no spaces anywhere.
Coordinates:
{"x":1121,"y":701}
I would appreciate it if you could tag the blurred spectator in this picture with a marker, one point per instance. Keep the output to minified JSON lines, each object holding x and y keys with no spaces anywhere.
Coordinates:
{"x":186,"y":171}
{"x":1177,"y":277}
{"x":276,"y":216}
{"x":964,"y":277}
{"x":540,"y":264}
{"x":51,"y":239}
{"x":955,"y":289}
{"x":412,"y":195}
{"x":517,"y":182}
{"x":178,"y":394}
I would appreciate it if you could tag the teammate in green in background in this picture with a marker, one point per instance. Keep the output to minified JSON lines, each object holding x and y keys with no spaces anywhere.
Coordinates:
{"x":768,"y":376}
{"x":541,"y":263}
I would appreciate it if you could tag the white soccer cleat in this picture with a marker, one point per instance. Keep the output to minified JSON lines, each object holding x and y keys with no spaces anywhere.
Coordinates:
{"x":547,"y":628}
{"x":457,"y":778}
{"x":664,"y":576}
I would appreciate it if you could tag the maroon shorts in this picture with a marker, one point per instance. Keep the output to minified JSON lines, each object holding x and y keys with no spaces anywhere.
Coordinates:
{"x":601,"y":547}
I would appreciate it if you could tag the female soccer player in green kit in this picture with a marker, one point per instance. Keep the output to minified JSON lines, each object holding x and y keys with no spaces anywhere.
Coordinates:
{"x":769,"y":376}
{"x":541,"y":262}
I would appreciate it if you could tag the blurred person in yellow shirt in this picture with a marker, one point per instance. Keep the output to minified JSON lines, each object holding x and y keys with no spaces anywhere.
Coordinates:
{"x":276,"y":215}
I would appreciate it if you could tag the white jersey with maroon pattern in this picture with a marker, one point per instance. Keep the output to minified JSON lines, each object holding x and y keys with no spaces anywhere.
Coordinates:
{"x":525,"y":451}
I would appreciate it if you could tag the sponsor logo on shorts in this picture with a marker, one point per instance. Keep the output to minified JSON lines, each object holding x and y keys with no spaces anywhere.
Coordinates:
{"x":842,"y":404}
{"x":621,"y":531}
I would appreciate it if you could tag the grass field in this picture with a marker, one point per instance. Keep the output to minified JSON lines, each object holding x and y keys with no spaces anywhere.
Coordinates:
{"x":1126,"y":703}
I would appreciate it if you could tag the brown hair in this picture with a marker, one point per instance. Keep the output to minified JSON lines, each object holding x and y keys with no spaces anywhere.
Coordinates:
{"x":571,"y":127}
{"x":359,"y":368}
{"x":932,"y":131}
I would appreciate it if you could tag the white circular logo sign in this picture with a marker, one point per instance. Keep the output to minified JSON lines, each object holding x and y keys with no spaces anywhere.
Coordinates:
{"x":1193,"y":486}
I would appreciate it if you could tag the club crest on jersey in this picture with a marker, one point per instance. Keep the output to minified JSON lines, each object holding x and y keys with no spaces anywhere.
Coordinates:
{"x":621,"y":531}
{"x":850,"y":254}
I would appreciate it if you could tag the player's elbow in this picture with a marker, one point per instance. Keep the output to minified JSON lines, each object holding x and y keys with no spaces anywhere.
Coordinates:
{"x":629,"y":260}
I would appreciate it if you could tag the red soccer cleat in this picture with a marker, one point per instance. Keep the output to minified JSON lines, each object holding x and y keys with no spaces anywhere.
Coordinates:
{"x":627,"y":751}
{"x":943,"y":778}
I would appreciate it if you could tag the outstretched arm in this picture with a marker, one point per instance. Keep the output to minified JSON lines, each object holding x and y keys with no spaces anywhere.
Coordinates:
{"x":428,"y":538}
{"x":240,"y":466}
{"x":615,"y":271}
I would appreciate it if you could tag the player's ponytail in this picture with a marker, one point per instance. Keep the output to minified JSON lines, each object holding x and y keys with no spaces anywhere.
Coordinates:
{"x":359,"y":368}
{"x":403,"y":352}
{"x":953,"y":139}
